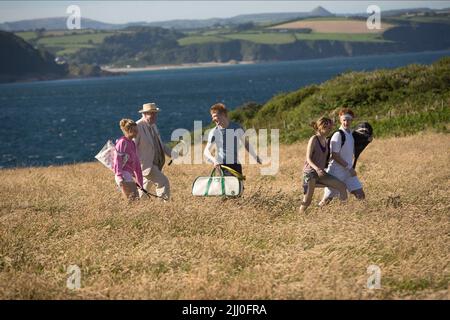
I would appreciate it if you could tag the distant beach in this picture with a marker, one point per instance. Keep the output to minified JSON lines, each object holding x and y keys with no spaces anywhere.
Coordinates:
{"x":176,"y":66}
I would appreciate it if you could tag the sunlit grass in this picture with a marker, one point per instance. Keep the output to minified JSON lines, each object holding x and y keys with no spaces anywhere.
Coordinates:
{"x":254,"y":247}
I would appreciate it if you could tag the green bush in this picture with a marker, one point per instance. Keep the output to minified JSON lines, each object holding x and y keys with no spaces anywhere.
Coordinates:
{"x":397,"y":102}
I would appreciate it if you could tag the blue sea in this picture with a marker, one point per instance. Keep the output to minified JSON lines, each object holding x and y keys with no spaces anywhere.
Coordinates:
{"x":68,"y":121}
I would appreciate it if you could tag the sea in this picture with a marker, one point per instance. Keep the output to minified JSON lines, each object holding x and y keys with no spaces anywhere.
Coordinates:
{"x":68,"y":121}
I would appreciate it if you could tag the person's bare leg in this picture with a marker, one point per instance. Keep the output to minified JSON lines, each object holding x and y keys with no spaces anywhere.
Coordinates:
{"x":330,"y":192}
{"x":359,"y":194}
{"x":307,"y":198}
{"x":129,"y":190}
{"x":335,"y":183}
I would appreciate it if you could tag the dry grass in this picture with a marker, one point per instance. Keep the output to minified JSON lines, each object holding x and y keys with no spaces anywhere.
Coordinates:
{"x":334,"y":26}
{"x":256,"y":247}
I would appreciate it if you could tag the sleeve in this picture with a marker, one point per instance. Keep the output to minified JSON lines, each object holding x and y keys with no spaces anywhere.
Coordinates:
{"x":207,"y":152}
{"x":336,"y":142}
{"x":138,"y":169}
{"x":118,"y":161}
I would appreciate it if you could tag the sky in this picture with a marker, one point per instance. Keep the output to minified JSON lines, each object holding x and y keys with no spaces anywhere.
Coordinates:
{"x":129,"y":11}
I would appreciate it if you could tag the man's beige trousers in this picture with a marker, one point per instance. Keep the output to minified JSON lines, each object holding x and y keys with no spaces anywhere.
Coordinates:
{"x":160,"y":181}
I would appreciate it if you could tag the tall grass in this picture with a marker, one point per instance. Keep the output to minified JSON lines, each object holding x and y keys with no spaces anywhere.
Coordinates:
{"x":254,"y":247}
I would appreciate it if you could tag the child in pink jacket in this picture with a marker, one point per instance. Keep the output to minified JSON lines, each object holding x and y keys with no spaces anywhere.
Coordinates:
{"x":127,"y":167}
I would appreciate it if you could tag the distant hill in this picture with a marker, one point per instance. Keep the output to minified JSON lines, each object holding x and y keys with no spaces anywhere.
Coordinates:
{"x":320,"y":12}
{"x":57,"y":23}
{"x":280,"y":16}
{"x":20,"y":61}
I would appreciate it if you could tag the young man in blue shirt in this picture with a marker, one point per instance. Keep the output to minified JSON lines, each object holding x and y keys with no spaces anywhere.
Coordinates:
{"x":226,"y":136}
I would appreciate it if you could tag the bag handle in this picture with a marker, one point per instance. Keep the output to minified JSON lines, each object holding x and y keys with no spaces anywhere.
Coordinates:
{"x":233,"y":172}
{"x":214,"y":170}
{"x":222,"y":180}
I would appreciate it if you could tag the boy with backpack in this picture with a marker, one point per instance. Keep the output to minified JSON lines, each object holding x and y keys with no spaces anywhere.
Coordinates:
{"x":342,"y":153}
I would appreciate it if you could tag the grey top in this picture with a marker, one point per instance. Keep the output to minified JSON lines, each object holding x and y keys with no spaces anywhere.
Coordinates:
{"x":227,"y":142}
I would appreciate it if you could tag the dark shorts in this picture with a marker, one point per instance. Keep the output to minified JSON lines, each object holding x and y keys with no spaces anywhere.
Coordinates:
{"x":235,"y":166}
{"x":320,"y":181}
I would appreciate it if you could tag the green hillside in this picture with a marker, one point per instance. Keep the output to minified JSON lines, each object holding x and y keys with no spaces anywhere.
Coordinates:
{"x":143,"y":46}
{"x":63,"y":42}
{"x":19,"y":61}
{"x":398,"y":102}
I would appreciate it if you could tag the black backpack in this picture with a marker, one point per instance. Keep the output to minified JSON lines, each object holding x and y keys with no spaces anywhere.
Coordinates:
{"x":362,"y":135}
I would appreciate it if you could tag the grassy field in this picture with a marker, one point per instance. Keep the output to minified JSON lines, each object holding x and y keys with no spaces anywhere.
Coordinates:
{"x":266,"y":38}
{"x":66,"y":42}
{"x":333,"y":26}
{"x":281,"y":38}
{"x":425,"y":19}
{"x":74,"y":39}
{"x":352,"y":37}
{"x":26,"y":35}
{"x":198,"y":39}
{"x":255,"y":247}
{"x":257,"y":37}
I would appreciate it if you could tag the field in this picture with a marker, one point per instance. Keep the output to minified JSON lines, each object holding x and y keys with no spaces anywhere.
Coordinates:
{"x":64,"y":42}
{"x":266,"y":38}
{"x":444,"y":18}
{"x":333,"y":26}
{"x":353,"y":37}
{"x":26,"y":35}
{"x":281,"y":38}
{"x":69,"y":44}
{"x":255,"y":247}
{"x":198,"y":39}
{"x":334,"y":29}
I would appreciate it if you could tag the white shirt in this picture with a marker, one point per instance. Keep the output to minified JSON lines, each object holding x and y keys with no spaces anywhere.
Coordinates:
{"x":346,"y":151}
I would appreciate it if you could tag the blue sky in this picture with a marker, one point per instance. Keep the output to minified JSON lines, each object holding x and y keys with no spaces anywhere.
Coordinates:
{"x":128,"y":11}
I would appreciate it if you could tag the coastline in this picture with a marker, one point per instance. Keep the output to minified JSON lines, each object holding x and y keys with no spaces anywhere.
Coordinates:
{"x":176,"y":66}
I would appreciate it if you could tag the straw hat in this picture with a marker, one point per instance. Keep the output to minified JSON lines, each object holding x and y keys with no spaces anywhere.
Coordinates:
{"x":149,"y":107}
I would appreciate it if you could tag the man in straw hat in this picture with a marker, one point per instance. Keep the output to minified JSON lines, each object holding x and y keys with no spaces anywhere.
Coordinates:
{"x":152,"y":151}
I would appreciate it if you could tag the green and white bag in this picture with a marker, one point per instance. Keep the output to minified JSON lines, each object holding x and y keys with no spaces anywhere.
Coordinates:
{"x":217,"y":186}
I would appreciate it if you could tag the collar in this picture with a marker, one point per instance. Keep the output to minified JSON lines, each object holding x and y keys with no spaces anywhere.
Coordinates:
{"x":347,"y":131}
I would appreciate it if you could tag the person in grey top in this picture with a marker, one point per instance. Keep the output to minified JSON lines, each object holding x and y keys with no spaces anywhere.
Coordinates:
{"x":226,"y":136}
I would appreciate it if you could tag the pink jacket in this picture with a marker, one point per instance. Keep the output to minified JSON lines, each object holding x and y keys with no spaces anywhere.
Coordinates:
{"x":127,"y":149}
